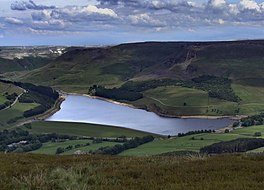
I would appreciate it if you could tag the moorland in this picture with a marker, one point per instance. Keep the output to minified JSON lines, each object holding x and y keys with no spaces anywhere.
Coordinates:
{"x":172,"y":79}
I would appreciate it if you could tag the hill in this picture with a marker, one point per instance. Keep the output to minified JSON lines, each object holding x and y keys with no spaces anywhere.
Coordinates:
{"x":104,"y":172}
{"x":238,"y":60}
{"x":18,"y":59}
{"x":236,"y":65}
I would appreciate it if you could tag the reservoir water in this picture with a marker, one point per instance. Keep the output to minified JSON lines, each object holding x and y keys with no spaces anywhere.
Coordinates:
{"x":77,"y":108}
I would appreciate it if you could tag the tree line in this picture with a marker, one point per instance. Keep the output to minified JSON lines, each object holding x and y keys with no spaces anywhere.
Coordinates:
{"x":22,"y":141}
{"x":43,"y":95}
{"x":237,"y":145}
{"x":10,"y":99}
{"x":217,"y":87}
{"x":253,"y":120}
{"x":114,"y":93}
{"x":196,"y":132}
{"x":118,"y":148}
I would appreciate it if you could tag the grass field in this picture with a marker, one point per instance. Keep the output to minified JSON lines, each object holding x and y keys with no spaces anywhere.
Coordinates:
{"x":258,"y":150}
{"x":51,"y":147}
{"x":187,"y":143}
{"x":158,"y":146}
{"x":178,"y":144}
{"x":226,"y":172}
{"x":14,"y":112}
{"x":252,"y":98}
{"x":82,"y":129}
{"x":171,"y":100}
{"x":91,"y":147}
{"x":10,"y":89}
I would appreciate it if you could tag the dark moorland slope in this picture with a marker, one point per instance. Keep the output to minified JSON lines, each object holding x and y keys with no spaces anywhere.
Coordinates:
{"x":26,"y":171}
{"x":242,"y":61}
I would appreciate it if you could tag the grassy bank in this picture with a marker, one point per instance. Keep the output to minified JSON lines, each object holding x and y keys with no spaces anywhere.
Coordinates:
{"x":83,"y":129}
{"x":191,"y":142}
{"x":103,"y":172}
{"x":51,"y":147}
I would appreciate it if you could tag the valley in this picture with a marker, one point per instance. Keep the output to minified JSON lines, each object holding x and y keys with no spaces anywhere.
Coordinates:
{"x":165,"y":78}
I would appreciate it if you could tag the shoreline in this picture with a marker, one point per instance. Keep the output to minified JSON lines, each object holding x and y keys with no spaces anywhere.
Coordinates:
{"x":53,"y":110}
{"x":63,"y":96}
{"x":236,"y":117}
{"x":43,"y":116}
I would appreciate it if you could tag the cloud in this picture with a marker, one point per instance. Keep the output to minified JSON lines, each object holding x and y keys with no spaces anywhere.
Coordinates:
{"x":145,"y":20}
{"x":217,"y":3}
{"x":249,"y":5}
{"x":73,"y":18}
{"x":140,"y":15}
{"x":23,"y":5}
{"x":91,"y":9}
{"x":43,"y":15}
{"x":12,"y":20}
{"x":119,"y":2}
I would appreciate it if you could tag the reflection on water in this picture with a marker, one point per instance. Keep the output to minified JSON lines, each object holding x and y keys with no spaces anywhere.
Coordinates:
{"x":88,"y":110}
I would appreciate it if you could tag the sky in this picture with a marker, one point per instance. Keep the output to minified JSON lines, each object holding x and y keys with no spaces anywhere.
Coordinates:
{"x":108,"y":22}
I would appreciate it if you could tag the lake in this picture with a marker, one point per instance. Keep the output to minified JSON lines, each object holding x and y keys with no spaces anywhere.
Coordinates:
{"x":77,"y":108}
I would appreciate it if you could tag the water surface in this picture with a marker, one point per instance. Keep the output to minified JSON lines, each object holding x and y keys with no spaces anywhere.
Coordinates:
{"x":84,"y":109}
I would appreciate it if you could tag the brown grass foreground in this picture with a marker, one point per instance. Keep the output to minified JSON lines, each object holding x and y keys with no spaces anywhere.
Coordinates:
{"x":26,"y":171}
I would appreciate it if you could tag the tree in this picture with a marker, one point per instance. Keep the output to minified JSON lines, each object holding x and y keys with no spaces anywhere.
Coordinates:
{"x":59,"y":150}
{"x":236,"y":124}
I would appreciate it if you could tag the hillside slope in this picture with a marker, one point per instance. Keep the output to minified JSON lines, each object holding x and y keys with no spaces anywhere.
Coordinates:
{"x":239,"y":63}
{"x":27,"y":58}
{"x":104,"y":172}
{"x":242,"y":61}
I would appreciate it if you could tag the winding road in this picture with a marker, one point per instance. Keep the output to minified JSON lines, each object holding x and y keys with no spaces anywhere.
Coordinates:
{"x":8,"y":107}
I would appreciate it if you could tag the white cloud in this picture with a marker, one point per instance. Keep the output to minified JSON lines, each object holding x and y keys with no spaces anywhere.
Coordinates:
{"x":221,"y":21}
{"x":12,"y":20}
{"x":250,"y":5}
{"x":23,"y":5}
{"x":127,"y":15}
{"x":233,"y":9}
{"x":91,"y":9}
{"x":144,"y":19}
{"x":217,"y":3}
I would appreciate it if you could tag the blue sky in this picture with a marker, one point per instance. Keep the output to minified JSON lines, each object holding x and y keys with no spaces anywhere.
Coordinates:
{"x":102,"y":22}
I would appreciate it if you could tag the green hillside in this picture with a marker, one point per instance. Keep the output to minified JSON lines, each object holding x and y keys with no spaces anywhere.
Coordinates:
{"x":240,"y":63}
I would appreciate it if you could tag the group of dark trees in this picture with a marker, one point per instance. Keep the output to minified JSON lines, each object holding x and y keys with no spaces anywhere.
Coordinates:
{"x":10,"y":99}
{"x":253,"y":120}
{"x":94,"y":141}
{"x":237,"y":145}
{"x":5,"y":105}
{"x":43,"y":95}
{"x":118,"y":148}
{"x":22,"y":141}
{"x":70,"y":147}
{"x":130,"y":91}
{"x":115,"y":93}
{"x":217,"y":87}
{"x":195,"y":132}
